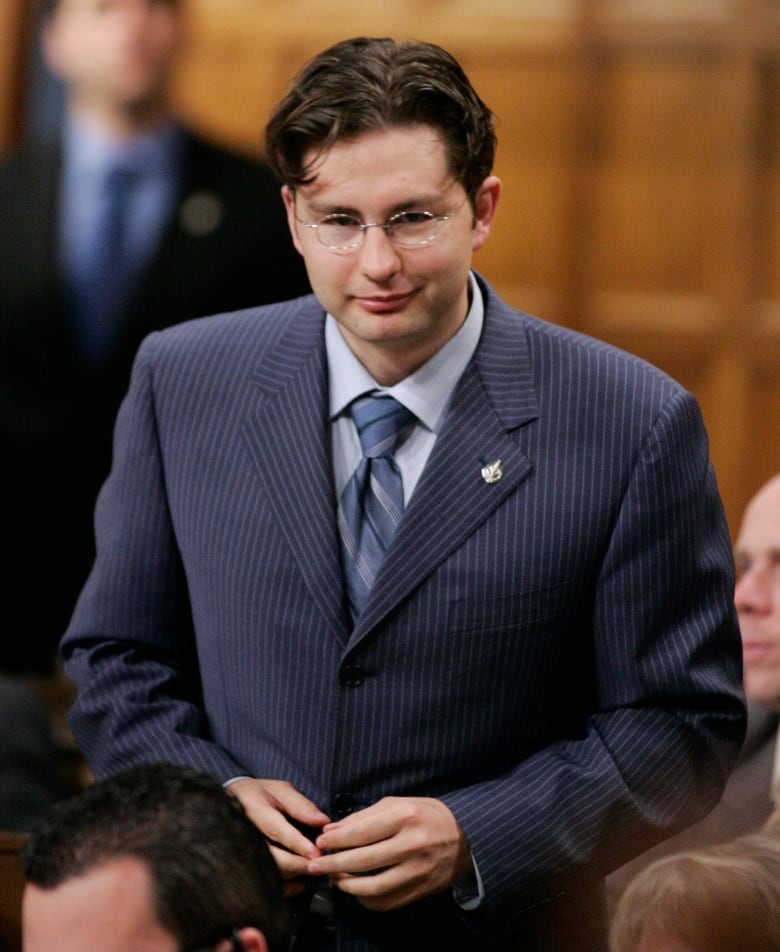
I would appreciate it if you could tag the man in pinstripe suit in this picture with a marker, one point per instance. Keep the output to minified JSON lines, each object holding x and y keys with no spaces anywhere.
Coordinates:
{"x":545,"y":678}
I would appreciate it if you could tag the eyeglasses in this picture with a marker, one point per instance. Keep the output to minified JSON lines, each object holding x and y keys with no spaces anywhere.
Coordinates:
{"x":342,"y":232}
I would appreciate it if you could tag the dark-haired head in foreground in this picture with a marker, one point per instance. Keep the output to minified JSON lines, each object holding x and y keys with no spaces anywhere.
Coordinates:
{"x":157,"y":858}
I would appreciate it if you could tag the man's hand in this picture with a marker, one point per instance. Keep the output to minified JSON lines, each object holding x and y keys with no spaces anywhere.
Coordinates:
{"x":271,"y":805}
{"x":411,"y":847}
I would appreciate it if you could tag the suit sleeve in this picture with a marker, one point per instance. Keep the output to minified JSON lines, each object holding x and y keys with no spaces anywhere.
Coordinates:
{"x":668,"y":715}
{"x":130,"y":646}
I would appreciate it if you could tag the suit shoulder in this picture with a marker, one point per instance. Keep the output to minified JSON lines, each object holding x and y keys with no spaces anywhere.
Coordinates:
{"x":562,"y":367}
{"x":556,"y":353}
{"x":548,"y":342}
{"x":592,"y":350}
{"x":244,"y":336}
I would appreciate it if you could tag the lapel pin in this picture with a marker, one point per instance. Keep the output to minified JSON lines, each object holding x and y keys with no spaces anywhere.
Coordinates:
{"x":492,"y":473}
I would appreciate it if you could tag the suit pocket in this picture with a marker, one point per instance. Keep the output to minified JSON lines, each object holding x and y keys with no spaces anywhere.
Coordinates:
{"x":524,"y":611}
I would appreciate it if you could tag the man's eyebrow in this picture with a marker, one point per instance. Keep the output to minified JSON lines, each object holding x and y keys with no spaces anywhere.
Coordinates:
{"x":422,"y":202}
{"x":741,"y":554}
{"x":322,"y":208}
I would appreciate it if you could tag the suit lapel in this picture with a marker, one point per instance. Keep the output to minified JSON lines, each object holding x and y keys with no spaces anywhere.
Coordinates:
{"x":288,"y":435}
{"x":453,"y":498}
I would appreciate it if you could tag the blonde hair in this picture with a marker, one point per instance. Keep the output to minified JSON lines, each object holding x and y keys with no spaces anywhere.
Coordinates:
{"x":719,"y":899}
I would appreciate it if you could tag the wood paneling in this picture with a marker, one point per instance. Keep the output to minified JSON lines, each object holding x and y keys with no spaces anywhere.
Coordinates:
{"x":13,"y":25}
{"x":11,"y":888}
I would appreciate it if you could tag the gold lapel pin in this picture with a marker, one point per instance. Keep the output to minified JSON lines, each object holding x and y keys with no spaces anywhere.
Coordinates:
{"x":492,"y":473}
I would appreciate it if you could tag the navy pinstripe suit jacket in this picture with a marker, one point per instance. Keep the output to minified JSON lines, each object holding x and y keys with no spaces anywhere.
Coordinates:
{"x":554,"y":654}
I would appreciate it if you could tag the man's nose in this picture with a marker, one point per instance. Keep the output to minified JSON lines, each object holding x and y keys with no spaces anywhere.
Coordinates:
{"x":379,"y":258}
{"x":753,"y":591}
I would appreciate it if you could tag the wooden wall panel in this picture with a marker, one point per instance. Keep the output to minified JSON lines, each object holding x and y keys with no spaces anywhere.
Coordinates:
{"x":665,"y":11}
{"x":768,"y":173}
{"x":654,"y":215}
{"x":533,"y":100}
{"x":650,"y":255}
{"x":11,"y":889}
{"x":762,"y":420}
{"x":13,"y":24}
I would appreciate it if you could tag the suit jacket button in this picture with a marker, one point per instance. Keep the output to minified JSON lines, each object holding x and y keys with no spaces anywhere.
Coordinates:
{"x":343,"y":804}
{"x":352,"y":676}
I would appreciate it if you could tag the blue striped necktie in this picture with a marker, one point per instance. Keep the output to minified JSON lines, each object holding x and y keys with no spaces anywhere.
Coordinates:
{"x":373,"y":500}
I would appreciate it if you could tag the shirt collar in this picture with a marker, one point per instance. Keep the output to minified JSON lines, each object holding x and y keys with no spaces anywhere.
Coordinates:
{"x":427,"y":391}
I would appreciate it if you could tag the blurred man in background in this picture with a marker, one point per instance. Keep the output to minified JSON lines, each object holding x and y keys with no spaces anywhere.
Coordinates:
{"x":127,"y":223}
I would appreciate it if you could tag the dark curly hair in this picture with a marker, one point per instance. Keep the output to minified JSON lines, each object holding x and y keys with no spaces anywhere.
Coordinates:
{"x":210,"y":866}
{"x":365,"y":85}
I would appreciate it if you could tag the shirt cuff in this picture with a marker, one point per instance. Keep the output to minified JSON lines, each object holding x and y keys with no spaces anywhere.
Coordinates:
{"x":469,"y":892}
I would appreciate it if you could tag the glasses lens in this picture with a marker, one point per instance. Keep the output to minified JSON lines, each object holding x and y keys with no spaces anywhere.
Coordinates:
{"x":340,"y":231}
{"x":412,"y":228}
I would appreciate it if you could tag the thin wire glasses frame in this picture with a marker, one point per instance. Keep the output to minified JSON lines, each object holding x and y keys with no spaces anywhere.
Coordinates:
{"x":342,"y":232}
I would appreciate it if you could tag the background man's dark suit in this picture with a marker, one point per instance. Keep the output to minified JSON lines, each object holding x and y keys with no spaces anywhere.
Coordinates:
{"x":546,"y":653}
{"x":226,"y":246}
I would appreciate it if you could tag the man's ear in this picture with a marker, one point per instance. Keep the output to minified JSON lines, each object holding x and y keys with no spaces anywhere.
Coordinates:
{"x":485,"y":210}
{"x":251,"y":940}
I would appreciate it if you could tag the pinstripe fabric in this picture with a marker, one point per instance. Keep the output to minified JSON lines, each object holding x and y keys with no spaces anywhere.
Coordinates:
{"x":744,"y":807}
{"x":554,"y":654}
{"x":373,"y":500}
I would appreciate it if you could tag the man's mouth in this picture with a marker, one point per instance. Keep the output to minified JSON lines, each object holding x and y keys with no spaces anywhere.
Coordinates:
{"x":384,"y":303}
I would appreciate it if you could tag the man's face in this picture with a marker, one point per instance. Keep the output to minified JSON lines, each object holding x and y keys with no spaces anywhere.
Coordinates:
{"x":113,"y":54}
{"x":757,"y":595}
{"x":395,"y":306}
{"x":108,"y":909}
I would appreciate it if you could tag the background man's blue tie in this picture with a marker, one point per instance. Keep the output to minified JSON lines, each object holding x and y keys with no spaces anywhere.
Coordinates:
{"x":102,"y":291}
{"x":373,"y":500}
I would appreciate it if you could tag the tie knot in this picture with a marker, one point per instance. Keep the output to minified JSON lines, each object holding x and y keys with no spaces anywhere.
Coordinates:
{"x":382,"y":424}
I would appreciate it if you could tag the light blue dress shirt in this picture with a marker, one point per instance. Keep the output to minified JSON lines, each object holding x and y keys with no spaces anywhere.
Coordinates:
{"x":89,"y":151}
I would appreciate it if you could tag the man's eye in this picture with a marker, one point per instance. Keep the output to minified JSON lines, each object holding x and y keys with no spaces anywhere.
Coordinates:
{"x":340,"y":221}
{"x":412,"y":218}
